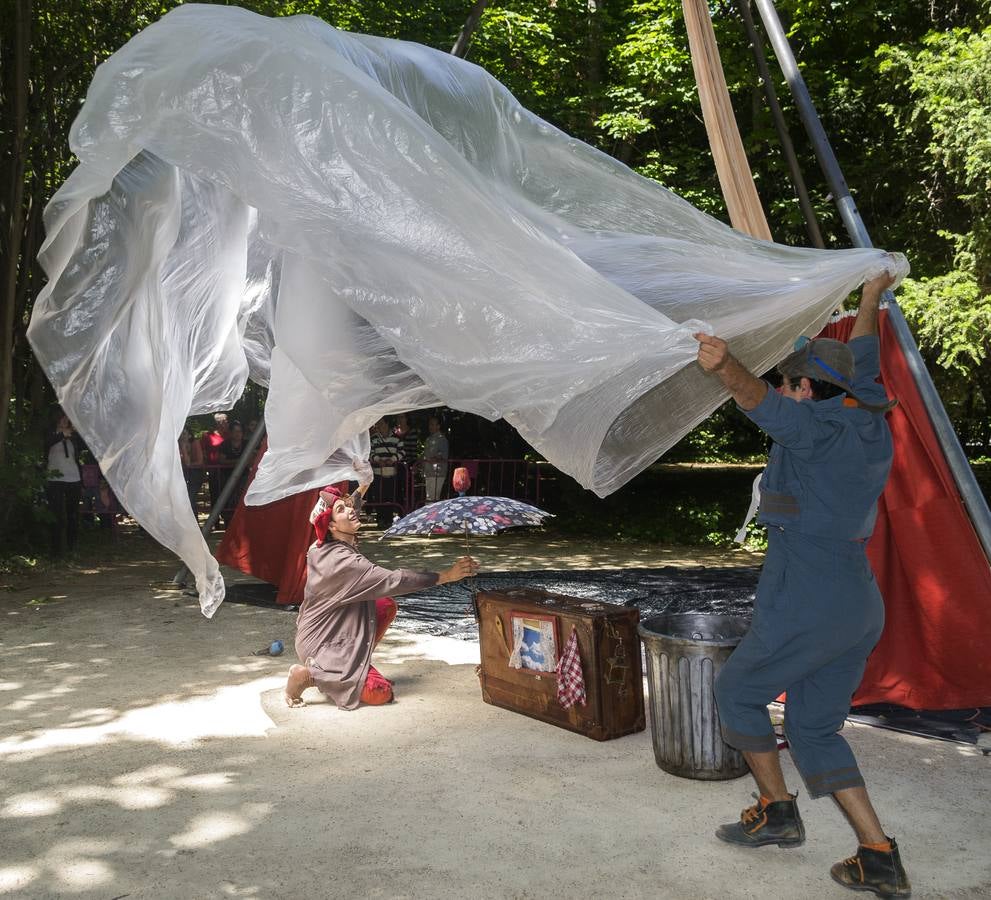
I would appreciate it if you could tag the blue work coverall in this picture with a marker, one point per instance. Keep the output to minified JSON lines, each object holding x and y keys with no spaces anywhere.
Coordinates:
{"x":818,"y":612}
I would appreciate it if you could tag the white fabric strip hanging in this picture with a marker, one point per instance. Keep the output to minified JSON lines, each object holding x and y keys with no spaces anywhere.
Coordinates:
{"x":739,"y":191}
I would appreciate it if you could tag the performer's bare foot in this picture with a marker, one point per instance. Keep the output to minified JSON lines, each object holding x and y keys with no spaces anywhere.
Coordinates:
{"x":298,"y":681}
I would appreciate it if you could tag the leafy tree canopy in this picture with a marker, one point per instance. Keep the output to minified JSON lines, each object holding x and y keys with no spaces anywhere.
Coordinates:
{"x":909,"y":123}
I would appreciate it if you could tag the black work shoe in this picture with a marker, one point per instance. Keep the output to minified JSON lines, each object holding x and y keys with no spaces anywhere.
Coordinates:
{"x":874,"y":870}
{"x":771,"y":823}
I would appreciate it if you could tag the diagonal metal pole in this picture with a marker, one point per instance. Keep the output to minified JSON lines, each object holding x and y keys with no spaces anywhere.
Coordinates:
{"x":970,"y":491}
{"x":244,"y":460}
{"x":797,"y":180}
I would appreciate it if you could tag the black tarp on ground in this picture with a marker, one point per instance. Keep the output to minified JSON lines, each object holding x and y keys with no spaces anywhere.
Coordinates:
{"x":447,"y":610}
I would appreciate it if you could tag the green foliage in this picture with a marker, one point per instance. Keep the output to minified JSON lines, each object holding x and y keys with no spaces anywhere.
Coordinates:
{"x":756,"y":539}
{"x":18,"y":565}
{"x":726,"y":436}
{"x":949,"y":81}
{"x":910,"y":124}
{"x":668,"y":504}
{"x":948,"y":78}
{"x":950,"y":316}
{"x":982,"y":471}
{"x":24,"y":517}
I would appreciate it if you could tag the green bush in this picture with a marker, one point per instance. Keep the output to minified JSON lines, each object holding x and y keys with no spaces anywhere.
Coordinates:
{"x":667,"y":504}
{"x":24,"y":516}
{"x":982,"y":471}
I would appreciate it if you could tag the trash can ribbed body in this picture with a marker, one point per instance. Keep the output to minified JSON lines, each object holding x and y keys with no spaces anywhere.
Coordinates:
{"x":684,"y":653}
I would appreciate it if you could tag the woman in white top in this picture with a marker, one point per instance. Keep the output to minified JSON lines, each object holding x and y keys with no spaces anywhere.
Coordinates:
{"x":64,"y":486}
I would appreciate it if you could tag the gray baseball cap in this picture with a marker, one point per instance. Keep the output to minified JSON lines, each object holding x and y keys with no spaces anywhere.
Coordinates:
{"x":825,"y":359}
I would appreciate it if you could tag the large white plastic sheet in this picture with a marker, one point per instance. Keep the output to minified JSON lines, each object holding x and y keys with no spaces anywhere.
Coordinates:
{"x":369,"y":226}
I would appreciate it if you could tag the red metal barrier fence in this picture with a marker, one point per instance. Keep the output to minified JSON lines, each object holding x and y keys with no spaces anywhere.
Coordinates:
{"x":519,"y":479}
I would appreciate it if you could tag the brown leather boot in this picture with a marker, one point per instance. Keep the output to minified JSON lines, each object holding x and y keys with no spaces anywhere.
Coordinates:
{"x":874,"y":870}
{"x":766,"y":823}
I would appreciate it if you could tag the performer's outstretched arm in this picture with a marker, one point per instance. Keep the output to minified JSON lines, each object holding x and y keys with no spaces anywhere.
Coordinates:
{"x":870,"y":300}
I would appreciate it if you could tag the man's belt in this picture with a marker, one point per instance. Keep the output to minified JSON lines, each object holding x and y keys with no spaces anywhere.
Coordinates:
{"x":782,"y":504}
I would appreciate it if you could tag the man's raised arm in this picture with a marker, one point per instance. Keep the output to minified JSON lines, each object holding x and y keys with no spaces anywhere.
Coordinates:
{"x":714,"y":357}
{"x":870,"y":300}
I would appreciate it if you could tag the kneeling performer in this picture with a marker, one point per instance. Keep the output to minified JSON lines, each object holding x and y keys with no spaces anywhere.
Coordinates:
{"x":347,"y":606}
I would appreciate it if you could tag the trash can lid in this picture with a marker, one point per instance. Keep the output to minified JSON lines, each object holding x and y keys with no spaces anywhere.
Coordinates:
{"x":695,"y":628}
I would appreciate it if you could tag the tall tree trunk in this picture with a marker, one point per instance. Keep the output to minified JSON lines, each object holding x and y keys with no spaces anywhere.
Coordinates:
{"x":461,"y":45}
{"x":21,"y":357}
{"x":593,"y":61}
{"x":14,"y":226}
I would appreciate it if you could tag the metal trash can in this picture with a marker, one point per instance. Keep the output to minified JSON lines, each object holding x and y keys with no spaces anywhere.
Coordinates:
{"x":685,"y":652}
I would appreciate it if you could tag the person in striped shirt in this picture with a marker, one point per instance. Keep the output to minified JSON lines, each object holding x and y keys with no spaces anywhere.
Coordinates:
{"x":386,"y":458}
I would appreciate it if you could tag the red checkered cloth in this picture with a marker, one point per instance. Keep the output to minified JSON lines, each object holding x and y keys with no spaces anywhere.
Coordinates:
{"x":570,"y":681}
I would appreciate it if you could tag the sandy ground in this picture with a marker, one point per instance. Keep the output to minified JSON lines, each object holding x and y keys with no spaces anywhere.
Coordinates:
{"x":145,"y":753}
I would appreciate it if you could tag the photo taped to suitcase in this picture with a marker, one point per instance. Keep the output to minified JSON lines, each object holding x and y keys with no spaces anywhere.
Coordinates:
{"x":522,"y":634}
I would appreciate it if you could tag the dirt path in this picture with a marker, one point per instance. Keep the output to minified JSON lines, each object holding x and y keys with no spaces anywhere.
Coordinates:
{"x":145,"y":753}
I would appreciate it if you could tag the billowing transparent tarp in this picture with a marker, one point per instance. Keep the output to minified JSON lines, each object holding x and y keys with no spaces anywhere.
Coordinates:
{"x":368,"y":226}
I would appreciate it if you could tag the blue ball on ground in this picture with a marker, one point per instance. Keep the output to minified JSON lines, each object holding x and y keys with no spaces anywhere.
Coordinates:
{"x":276,"y":648}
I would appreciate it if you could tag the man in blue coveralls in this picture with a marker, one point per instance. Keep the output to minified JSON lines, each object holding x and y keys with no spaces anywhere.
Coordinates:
{"x":818,"y":612}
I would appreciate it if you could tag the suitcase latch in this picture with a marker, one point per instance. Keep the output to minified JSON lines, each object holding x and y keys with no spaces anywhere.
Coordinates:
{"x":618,"y":663}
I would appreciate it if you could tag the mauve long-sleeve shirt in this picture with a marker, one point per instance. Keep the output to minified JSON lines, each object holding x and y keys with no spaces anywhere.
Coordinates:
{"x":335,"y":629}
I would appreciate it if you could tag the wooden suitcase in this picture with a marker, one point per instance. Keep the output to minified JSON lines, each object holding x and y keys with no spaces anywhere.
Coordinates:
{"x":609,"y":646}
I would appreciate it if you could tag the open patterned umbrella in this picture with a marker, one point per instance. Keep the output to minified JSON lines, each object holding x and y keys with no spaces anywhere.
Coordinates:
{"x":467,"y":516}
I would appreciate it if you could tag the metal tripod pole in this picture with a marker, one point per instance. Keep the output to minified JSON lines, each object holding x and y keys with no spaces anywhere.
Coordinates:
{"x":970,"y":491}
{"x":787,"y":148}
{"x":244,"y":460}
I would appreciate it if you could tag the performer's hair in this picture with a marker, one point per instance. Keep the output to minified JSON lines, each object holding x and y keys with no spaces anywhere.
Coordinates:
{"x":823,"y":390}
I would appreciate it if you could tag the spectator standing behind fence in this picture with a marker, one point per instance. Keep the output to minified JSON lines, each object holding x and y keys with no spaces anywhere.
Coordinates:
{"x":436,"y":451}
{"x":232,"y":449}
{"x":191,"y":457}
{"x":64,"y":487}
{"x":233,"y":445}
{"x":385,"y":457}
{"x":409,"y":437}
{"x":213,"y":456}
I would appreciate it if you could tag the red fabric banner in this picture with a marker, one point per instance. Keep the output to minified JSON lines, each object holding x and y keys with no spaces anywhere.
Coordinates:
{"x":270,"y":541}
{"x":929,"y":563}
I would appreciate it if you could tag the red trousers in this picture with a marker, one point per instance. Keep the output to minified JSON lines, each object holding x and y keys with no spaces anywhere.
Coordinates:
{"x":378,"y":689}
